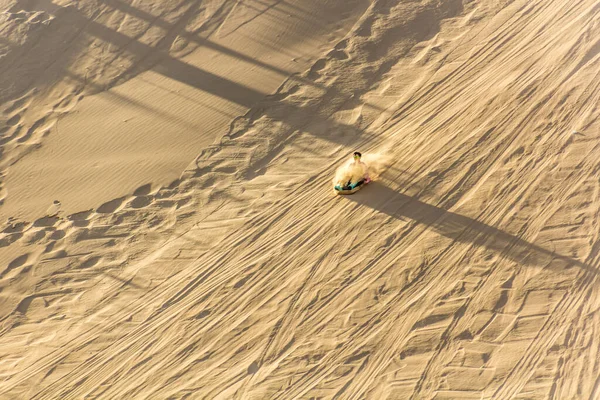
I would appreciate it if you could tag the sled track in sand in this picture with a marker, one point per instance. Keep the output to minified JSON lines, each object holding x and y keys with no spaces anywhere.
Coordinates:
{"x":468,"y":270}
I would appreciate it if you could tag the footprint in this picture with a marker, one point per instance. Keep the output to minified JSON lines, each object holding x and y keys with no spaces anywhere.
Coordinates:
{"x":7,"y":240}
{"x":14,"y":120}
{"x":18,"y":105}
{"x":57,"y":234}
{"x":80,"y":219}
{"x":143,"y":190}
{"x":37,"y":299}
{"x":90,"y":262}
{"x":165,"y":203}
{"x":16,"y":263}
{"x":317,"y":67}
{"x":67,"y":103}
{"x":15,"y":227}
{"x":338,"y":55}
{"x":33,"y":236}
{"x":174,"y":184}
{"x":35,"y":128}
{"x":140,"y":202}
{"x":49,"y":247}
{"x":110,"y":206}
{"x":18,"y":16}
{"x":46,"y":221}
{"x":12,"y":136}
{"x":24,"y":304}
{"x":40,"y":17}
{"x":342,"y":45}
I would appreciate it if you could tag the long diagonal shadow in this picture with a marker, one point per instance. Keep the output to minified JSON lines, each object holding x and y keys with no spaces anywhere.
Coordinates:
{"x":145,"y":16}
{"x":169,"y":66}
{"x":458,"y":227}
{"x":148,"y":57}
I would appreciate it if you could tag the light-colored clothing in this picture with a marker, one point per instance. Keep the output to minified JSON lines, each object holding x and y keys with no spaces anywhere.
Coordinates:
{"x":365,"y":169}
{"x":355,"y":171}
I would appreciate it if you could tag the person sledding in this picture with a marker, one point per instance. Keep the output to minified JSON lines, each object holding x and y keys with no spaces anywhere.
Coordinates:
{"x":355,"y":175}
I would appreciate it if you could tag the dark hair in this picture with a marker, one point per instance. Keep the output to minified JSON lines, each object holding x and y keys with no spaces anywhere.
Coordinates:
{"x":356,"y":153}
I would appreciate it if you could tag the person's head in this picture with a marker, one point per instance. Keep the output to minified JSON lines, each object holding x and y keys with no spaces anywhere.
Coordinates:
{"x":357,"y":156}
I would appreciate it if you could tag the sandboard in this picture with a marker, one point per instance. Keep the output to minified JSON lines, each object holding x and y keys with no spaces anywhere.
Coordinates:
{"x":346,"y":190}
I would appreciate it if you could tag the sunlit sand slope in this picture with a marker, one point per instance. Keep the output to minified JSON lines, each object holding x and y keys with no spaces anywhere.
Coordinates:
{"x":468,"y":269}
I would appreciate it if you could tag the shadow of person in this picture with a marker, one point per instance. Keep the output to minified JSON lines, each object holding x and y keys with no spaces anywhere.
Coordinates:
{"x":386,"y":200}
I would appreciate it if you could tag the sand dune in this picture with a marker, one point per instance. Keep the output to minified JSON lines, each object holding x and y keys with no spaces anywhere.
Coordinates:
{"x":172,"y":233}
{"x":168,"y":78}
